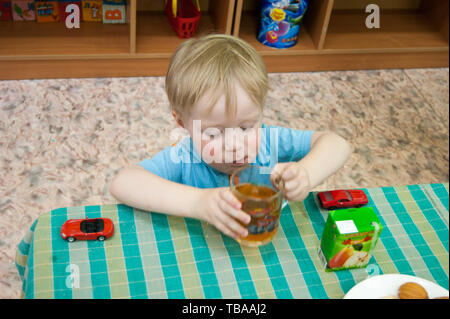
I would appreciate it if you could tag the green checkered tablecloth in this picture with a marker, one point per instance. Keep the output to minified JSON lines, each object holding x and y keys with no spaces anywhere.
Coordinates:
{"x":158,"y":256}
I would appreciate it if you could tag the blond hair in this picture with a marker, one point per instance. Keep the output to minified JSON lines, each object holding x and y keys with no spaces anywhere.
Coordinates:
{"x":210,"y":66}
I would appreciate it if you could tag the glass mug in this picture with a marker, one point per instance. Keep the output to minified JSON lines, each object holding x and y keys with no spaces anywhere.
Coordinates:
{"x":252,"y":186}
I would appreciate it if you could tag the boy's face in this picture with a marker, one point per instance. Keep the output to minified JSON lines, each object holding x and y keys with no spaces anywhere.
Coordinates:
{"x":225,"y":142}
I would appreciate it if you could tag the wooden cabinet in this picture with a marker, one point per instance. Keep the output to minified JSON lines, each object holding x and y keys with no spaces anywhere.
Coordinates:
{"x":333,"y":36}
{"x":154,"y":36}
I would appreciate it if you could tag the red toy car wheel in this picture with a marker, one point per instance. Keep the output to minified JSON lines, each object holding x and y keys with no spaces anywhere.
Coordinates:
{"x":71,"y":239}
{"x":101,"y":238}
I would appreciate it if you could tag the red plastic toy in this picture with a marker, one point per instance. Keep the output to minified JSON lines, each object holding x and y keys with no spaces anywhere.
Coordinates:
{"x":5,"y":10}
{"x":87,"y":229}
{"x":343,"y":198}
{"x":184,"y":20}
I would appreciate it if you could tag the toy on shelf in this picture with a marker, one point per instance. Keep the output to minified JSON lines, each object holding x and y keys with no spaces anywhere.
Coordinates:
{"x":62,"y":8}
{"x":114,"y":11}
{"x":47,"y":11}
{"x":23,"y":10}
{"x":280,"y":22}
{"x":5,"y":10}
{"x":184,"y":18}
{"x":92,"y":10}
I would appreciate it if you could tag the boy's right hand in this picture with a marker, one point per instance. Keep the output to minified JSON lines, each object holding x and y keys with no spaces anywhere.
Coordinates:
{"x":219,"y":207}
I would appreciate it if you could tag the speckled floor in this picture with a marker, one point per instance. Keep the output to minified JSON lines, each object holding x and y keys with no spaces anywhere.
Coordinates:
{"x":62,"y":141}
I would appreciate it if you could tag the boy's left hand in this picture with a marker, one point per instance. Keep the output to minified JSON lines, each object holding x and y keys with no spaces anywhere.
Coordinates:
{"x":296,"y":180}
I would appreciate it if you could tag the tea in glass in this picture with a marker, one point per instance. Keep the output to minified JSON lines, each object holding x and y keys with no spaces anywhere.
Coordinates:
{"x":261,"y":200}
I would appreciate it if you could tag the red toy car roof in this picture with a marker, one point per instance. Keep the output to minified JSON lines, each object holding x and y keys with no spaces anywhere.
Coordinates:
{"x":341,"y":194}
{"x":358,"y":194}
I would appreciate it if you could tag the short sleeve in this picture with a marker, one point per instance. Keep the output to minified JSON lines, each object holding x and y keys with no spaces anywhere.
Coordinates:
{"x":293,"y":144}
{"x":165,"y":164}
{"x":289,"y":145}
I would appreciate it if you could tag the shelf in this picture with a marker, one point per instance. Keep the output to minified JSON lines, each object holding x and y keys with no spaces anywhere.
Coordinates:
{"x":333,"y":36}
{"x":22,"y":39}
{"x":401,"y":30}
{"x":248,"y":31}
{"x":156,"y":38}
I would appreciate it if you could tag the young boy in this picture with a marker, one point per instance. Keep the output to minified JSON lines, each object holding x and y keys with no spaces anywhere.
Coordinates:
{"x":217,"y":87}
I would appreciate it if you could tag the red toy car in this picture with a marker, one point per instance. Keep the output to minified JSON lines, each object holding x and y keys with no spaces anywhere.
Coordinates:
{"x":343,"y":198}
{"x":87,"y":229}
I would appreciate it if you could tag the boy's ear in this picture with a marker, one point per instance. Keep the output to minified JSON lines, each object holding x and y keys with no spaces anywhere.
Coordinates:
{"x":177,"y":119}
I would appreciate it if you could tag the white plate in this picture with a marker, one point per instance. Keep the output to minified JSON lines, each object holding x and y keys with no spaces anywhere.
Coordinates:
{"x":383,"y":286}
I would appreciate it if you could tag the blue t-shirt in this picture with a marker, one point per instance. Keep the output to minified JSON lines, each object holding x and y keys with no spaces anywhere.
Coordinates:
{"x":182,"y":164}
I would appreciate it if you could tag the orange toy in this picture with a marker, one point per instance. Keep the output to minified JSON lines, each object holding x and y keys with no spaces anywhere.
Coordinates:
{"x":47,"y":11}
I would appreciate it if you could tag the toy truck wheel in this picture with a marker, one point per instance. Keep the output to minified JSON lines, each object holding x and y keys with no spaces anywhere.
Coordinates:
{"x":332,"y":208}
{"x":101,"y":238}
{"x":71,"y":239}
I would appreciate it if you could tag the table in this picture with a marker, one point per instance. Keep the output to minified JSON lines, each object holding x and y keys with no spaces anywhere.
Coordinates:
{"x":158,"y":256}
